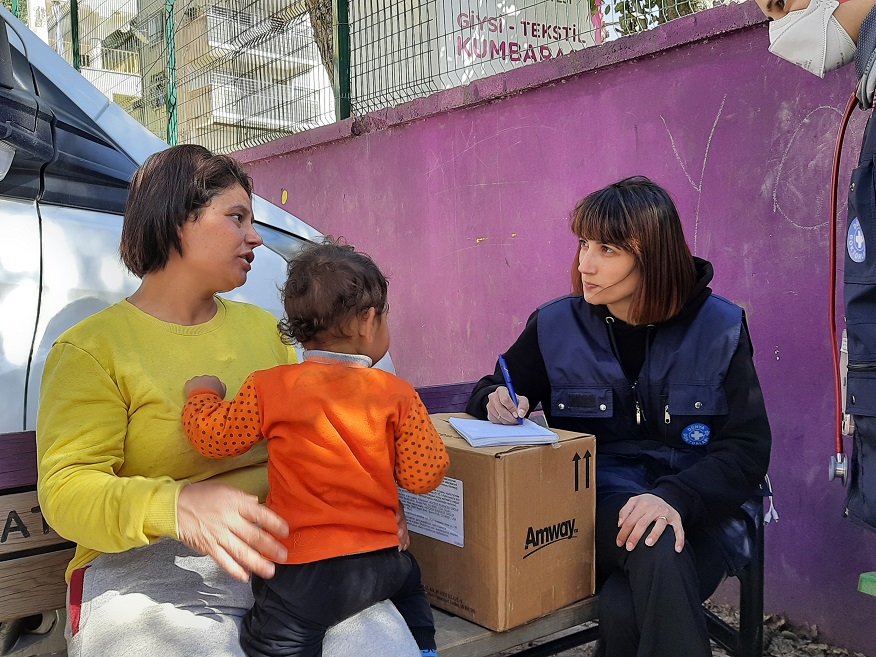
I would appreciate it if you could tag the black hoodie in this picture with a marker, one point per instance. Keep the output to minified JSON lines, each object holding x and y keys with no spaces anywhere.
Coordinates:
{"x":735,"y":462}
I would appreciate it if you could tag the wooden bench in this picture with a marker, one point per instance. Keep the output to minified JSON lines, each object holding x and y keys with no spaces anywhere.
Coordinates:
{"x":459,"y":638}
{"x":33,"y":559}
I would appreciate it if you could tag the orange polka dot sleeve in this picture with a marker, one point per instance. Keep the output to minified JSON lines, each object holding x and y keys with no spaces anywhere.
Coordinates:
{"x":218,"y":428}
{"x":420,"y":457}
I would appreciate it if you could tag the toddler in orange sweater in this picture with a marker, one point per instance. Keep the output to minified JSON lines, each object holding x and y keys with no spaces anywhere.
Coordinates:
{"x":340,"y":435}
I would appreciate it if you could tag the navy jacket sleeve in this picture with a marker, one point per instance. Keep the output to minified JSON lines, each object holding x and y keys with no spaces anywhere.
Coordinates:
{"x":526,"y":367}
{"x":736,"y":458}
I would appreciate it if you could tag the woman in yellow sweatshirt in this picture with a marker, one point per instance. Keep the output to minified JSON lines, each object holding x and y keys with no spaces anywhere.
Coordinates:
{"x":116,"y":473}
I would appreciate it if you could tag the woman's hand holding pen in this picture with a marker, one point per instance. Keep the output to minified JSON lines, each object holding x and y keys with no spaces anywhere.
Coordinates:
{"x":501,"y":408}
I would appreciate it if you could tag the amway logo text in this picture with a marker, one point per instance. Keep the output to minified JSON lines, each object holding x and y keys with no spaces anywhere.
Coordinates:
{"x":539,"y":538}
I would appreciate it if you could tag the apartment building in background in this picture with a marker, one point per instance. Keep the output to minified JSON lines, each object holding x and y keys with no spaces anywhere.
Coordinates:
{"x":241,"y":72}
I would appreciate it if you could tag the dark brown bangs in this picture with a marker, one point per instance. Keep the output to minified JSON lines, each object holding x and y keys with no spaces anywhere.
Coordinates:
{"x":602,"y":216}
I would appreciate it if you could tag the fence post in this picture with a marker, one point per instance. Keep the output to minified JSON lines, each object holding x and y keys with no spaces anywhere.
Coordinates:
{"x":74,"y":32}
{"x":15,"y":9}
{"x":170,"y":45}
{"x":341,"y":59}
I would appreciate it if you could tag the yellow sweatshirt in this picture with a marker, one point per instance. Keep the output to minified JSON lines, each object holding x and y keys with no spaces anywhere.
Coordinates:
{"x":111,"y":451}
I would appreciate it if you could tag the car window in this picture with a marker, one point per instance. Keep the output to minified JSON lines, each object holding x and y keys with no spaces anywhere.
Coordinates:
{"x":279,"y":241}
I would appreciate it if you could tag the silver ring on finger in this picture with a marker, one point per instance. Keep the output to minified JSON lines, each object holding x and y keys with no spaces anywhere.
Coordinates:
{"x":663,"y":518}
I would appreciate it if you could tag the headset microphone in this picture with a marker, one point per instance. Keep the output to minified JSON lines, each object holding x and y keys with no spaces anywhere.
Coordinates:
{"x":605,"y":287}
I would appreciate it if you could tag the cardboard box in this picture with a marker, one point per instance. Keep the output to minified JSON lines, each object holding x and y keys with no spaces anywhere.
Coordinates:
{"x":508,"y":536}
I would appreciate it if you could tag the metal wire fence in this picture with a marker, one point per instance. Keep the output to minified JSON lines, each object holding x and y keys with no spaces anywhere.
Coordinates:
{"x":404,"y":50}
{"x":229,"y":74}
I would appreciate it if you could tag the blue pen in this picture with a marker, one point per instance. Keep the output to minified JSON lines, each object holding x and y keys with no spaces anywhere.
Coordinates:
{"x":507,"y":376}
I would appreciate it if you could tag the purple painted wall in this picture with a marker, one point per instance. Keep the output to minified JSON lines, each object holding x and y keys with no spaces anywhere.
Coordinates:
{"x":463,"y":198}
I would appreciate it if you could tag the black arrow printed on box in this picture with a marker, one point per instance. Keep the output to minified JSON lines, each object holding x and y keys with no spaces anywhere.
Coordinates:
{"x":576,"y":459}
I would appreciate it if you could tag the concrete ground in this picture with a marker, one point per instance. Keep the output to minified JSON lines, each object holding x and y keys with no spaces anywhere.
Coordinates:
{"x":780,"y":640}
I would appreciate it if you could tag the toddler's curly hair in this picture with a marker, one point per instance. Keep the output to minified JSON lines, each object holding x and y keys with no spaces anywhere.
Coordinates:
{"x":327,"y":285}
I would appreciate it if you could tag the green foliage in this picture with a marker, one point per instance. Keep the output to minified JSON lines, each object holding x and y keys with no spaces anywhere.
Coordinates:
{"x":19,"y":8}
{"x":638,"y":15}
{"x":867,"y":583}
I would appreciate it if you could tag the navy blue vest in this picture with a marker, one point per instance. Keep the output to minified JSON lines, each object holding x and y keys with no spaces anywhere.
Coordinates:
{"x":679,"y":391}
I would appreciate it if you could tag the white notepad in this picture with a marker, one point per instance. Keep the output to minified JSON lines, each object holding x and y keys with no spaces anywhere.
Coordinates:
{"x":482,"y":433}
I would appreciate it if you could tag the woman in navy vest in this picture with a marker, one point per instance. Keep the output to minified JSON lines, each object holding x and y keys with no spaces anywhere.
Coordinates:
{"x":645,"y":357}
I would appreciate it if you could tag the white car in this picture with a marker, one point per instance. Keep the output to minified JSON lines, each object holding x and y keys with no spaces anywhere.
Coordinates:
{"x":66,"y":158}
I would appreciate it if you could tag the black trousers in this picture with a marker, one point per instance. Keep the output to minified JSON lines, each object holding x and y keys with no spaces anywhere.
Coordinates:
{"x":650,"y":598}
{"x":294,"y":608}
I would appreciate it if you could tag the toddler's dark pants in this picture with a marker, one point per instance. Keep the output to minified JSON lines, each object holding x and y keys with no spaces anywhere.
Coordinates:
{"x":294,"y":608}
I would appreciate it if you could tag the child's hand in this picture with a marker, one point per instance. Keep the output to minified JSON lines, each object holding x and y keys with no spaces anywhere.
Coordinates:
{"x":404,"y":541}
{"x":206,"y":381}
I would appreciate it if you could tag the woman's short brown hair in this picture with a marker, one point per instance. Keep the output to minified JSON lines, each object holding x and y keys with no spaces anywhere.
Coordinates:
{"x":327,"y":285}
{"x":639,"y":217}
{"x":170,"y":187}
